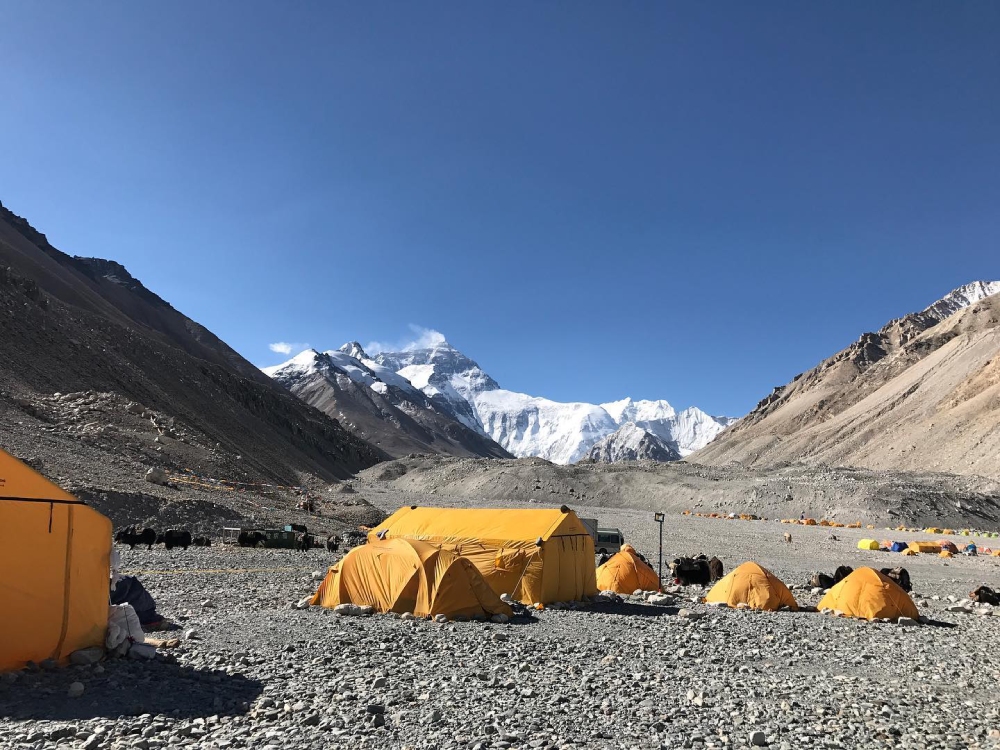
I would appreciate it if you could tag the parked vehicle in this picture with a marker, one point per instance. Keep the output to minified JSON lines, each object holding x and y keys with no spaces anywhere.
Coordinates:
{"x":608,"y":541}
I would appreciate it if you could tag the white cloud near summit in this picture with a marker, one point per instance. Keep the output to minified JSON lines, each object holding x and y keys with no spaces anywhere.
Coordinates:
{"x":423,"y":338}
{"x":284,"y":347}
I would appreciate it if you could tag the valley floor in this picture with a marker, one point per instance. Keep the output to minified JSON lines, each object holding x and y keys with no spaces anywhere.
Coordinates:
{"x":260,"y":674}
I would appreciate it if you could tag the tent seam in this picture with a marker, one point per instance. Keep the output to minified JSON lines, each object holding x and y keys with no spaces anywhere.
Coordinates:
{"x":66,"y":576}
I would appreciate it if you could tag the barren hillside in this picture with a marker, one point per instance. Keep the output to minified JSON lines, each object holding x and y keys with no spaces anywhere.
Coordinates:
{"x":919,"y":395}
{"x":100,"y":379}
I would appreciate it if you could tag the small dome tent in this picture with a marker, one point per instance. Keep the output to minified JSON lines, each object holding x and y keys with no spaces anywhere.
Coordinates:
{"x":870,"y":595}
{"x":626,"y":573}
{"x":402,"y":575}
{"x":753,"y":586}
{"x":869,"y":544}
{"x":55,"y":557}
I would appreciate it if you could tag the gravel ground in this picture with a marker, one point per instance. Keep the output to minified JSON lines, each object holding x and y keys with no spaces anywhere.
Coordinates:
{"x":257,"y":673}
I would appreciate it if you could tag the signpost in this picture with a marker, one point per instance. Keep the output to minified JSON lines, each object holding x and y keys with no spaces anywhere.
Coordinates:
{"x":658,"y":517}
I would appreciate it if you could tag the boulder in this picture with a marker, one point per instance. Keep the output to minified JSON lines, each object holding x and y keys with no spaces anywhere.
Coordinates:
{"x":156,"y":475}
{"x":87,"y":656}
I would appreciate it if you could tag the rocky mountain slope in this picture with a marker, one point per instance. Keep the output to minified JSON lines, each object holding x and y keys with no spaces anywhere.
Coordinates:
{"x":631,"y":443}
{"x":922,"y":393}
{"x":532,"y":426}
{"x":378,"y":405}
{"x":101,"y":379}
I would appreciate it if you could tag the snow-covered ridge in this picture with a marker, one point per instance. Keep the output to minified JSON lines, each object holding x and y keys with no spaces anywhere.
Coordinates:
{"x":524,"y":425}
{"x":963,"y":297}
{"x":631,"y":443}
{"x":529,"y":425}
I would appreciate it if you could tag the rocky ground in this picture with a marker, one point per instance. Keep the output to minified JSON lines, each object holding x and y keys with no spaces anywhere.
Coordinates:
{"x":841,"y":494}
{"x":257,"y":673}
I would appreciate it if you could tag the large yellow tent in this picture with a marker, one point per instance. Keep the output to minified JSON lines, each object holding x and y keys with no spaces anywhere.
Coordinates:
{"x":870,"y":595}
{"x":753,"y":586}
{"x":869,"y":544}
{"x":626,"y":573}
{"x":55,"y":555}
{"x":532,"y":555}
{"x":925,"y":547}
{"x":401,"y":575}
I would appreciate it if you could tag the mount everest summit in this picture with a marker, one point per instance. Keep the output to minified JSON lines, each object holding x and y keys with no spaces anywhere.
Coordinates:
{"x":435,"y":398}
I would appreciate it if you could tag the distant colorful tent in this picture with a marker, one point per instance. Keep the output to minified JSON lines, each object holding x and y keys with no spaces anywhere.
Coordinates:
{"x":898,"y":546}
{"x":401,"y":575}
{"x":869,"y":544}
{"x":543,"y":555}
{"x":947,"y":545}
{"x":926,"y":548}
{"x":55,"y":556}
{"x":626,"y":573}
{"x":753,"y":586}
{"x":945,"y":553}
{"x":869,"y":595}
{"x":932,"y":530}
{"x":910,"y":552}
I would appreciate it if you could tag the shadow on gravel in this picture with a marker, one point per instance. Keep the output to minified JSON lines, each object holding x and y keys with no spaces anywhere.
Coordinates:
{"x":939,"y":624}
{"x":632,"y":610}
{"x":129,"y":689}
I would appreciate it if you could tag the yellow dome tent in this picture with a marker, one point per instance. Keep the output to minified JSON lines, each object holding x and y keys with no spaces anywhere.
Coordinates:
{"x":868,"y":594}
{"x":55,"y":556}
{"x":910,"y":552}
{"x":535,"y":556}
{"x":754,"y":586}
{"x":869,"y":544}
{"x":945,"y":553}
{"x":625,"y":573}
{"x":401,"y":575}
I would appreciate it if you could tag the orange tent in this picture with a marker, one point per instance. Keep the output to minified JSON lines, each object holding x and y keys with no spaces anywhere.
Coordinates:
{"x":870,"y":595}
{"x":754,"y":586}
{"x":55,"y":556}
{"x":535,"y":556}
{"x":401,"y":575}
{"x":626,"y":573}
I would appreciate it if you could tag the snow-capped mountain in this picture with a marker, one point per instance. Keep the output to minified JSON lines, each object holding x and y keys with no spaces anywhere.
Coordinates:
{"x":631,"y":443}
{"x":961,"y":298}
{"x":532,"y":426}
{"x":378,"y":404}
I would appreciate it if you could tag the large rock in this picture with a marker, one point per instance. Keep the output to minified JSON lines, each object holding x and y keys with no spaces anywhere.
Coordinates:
{"x":87,"y":656}
{"x":352,"y":610}
{"x":156,"y":475}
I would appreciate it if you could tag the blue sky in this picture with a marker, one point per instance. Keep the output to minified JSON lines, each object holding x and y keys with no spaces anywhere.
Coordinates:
{"x":690,"y":201}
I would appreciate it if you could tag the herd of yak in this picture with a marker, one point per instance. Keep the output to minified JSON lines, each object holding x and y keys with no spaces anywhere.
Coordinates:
{"x":133,"y":536}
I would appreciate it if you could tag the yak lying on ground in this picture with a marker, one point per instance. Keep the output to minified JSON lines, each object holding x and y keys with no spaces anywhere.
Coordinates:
{"x":823,"y":581}
{"x":132,"y":536}
{"x":174,"y":538}
{"x":900,"y":576}
{"x":251,"y":539}
{"x":696,"y":570}
{"x":201,"y":541}
{"x":303,"y":542}
{"x":985,"y":595}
